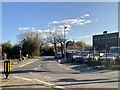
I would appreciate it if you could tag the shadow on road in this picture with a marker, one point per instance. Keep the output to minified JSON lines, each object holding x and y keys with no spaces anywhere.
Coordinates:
{"x":80,"y":68}
{"x":25,"y":71}
{"x":87,"y":81}
{"x":22,"y":85}
{"x":74,"y":80}
{"x":88,"y":69}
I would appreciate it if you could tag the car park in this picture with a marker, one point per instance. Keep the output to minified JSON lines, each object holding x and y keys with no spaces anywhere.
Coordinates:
{"x":95,"y":56}
{"x":110,"y":57}
{"x":80,"y":57}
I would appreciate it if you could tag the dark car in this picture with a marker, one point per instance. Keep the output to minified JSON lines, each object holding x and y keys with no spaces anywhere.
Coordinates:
{"x":58,"y":56}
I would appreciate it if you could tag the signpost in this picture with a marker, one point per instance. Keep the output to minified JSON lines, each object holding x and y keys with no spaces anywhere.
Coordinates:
{"x":7,"y":68}
{"x":20,"y":50}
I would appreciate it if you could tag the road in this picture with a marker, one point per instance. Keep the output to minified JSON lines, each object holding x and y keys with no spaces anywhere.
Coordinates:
{"x":46,"y":72}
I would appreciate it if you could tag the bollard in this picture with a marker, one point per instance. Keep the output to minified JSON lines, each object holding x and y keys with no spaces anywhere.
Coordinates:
{"x":7,"y":68}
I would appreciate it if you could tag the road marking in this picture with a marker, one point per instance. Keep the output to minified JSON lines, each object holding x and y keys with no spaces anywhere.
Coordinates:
{"x":1,"y":69}
{"x":27,"y":63}
{"x":44,"y":82}
{"x":40,"y":81}
{"x":23,"y":78}
{"x":59,"y":87}
{"x":48,"y":83}
{"x":35,"y":68}
{"x":30,"y":72}
{"x":65,"y":67}
{"x":39,"y":65}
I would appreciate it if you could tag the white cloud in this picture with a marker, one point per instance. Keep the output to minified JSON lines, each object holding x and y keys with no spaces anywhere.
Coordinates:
{"x":76,"y":21}
{"x":87,"y":21}
{"x":24,"y":28}
{"x":86,"y":36}
{"x":73,"y":21}
{"x":61,"y":27}
{"x":54,"y":22}
{"x":86,"y":15}
{"x":33,"y":28}
{"x":20,"y":28}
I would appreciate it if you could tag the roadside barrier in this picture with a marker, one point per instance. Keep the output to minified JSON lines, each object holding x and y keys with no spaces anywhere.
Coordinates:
{"x":7,"y":68}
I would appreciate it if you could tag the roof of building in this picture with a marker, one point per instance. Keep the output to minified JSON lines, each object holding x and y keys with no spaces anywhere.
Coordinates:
{"x":72,"y":46}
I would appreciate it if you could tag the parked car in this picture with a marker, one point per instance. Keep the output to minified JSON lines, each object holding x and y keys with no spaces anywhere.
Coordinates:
{"x":58,"y":56}
{"x":80,"y":57}
{"x":76,"y":56}
{"x":95,"y":56}
{"x":110,"y":57}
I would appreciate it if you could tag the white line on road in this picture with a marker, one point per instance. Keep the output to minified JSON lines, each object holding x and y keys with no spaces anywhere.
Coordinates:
{"x":48,"y":83}
{"x":30,"y":72}
{"x":40,"y":81}
{"x":1,"y":69}
{"x":27,"y":63}
{"x":39,"y":65}
{"x":59,"y":87}
{"x":35,"y":68}
{"x":23,"y":78}
{"x":65,"y":67}
{"x":44,"y":82}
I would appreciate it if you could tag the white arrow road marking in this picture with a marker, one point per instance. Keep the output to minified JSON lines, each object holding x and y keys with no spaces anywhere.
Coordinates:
{"x":40,"y":81}
{"x":36,"y":68}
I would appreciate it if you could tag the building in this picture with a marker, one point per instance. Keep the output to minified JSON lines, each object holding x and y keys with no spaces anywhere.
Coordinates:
{"x":106,"y":40}
{"x":71,"y":48}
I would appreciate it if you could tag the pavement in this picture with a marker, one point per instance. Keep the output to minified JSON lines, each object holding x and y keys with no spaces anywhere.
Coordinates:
{"x":1,"y":65}
{"x":46,"y":72}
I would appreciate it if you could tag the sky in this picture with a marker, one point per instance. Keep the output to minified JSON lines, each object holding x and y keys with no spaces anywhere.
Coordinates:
{"x":85,"y":18}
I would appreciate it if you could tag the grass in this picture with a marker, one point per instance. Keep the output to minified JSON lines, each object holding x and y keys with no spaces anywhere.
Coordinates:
{"x":115,"y":67}
{"x":14,"y":61}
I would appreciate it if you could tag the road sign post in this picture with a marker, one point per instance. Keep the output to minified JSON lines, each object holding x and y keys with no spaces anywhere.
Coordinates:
{"x":7,"y":68}
{"x":20,"y":50}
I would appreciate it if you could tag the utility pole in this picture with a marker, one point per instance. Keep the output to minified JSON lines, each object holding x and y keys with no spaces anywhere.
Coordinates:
{"x":94,"y":55}
{"x":118,"y":43}
{"x":20,"y":50}
{"x":65,"y":43}
{"x":106,"y":51}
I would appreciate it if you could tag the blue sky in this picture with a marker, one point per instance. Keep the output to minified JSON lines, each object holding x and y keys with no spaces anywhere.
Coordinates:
{"x":103,"y":16}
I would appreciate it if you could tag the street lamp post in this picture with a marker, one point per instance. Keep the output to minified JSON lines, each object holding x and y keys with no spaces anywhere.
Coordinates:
{"x":20,"y":52}
{"x":94,"y":54}
{"x":106,"y":51}
{"x":118,"y":43}
{"x":65,"y":43}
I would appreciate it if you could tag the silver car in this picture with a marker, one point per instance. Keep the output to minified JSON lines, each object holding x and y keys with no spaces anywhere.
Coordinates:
{"x":110,"y":57}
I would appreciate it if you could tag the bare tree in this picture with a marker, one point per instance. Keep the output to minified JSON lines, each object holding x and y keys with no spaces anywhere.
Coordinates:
{"x":56,"y":36}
